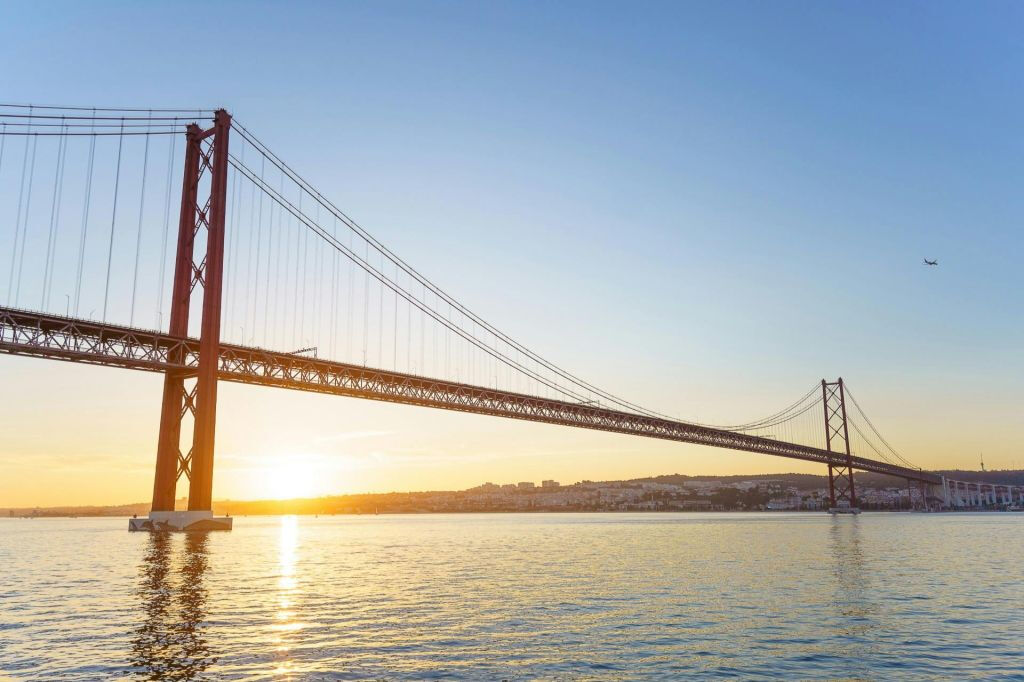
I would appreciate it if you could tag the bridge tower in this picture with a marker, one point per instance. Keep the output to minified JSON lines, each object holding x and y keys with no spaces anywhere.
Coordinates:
{"x":190,"y":396}
{"x":841,"y":492}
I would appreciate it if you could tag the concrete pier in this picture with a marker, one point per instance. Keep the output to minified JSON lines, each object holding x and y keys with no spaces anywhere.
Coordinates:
{"x":180,"y":521}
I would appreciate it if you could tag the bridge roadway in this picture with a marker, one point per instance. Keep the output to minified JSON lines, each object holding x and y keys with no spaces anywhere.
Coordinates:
{"x":55,"y":337}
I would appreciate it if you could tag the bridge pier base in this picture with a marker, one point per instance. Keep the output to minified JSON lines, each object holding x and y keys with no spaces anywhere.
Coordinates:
{"x":180,"y":520}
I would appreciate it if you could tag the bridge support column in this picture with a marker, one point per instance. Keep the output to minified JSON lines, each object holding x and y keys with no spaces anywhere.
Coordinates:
{"x":192,"y":394}
{"x":841,"y":491}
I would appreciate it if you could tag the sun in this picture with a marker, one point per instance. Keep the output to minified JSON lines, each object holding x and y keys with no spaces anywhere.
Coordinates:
{"x":288,"y":479}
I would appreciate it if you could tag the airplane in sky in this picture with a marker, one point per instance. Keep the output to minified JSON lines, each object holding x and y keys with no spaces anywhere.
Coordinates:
{"x":931,"y":262}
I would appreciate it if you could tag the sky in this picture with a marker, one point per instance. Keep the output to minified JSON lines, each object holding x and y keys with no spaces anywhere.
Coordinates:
{"x":703,"y":207}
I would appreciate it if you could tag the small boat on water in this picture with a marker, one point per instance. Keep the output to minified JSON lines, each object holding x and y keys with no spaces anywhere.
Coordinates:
{"x":843,"y":510}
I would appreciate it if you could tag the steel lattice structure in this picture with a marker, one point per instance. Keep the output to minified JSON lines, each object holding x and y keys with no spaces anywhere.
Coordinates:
{"x":840,"y":476}
{"x":49,"y":336}
{"x":194,"y":395}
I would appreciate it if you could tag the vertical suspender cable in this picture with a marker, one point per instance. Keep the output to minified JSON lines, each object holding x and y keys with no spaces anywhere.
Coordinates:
{"x":3,"y":145}
{"x":408,"y":336}
{"x":315,"y":316}
{"x":28,"y":208}
{"x":230,"y":253}
{"x":280,"y":266}
{"x":56,"y":228}
{"x":138,"y":235}
{"x":380,"y":320}
{"x":349,"y":310}
{"x":167,"y":231}
{"x":85,"y":222}
{"x":286,"y":302}
{"x":277,"y":273}
{"x":248,"y":263}
{"x":334,"y":295}
{"x":54,"y":218}
{"x":298,"y":269}
{"x":423,"y":335}
{"x":366,"y":303}
{"x":113,"y":221}
{"x":305,"y":277}
{"x":266,"y":289}
{"x":394,"y":359}
{"x":259,"y":251}
{"x":282,"y":273}
{"x":17,"y":220}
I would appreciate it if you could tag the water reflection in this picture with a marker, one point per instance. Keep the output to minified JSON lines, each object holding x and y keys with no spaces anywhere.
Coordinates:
{"x":853,"y":599}
{"x":170,"y":643}
{"x":286,"y":625}
{"x":523,"y":597}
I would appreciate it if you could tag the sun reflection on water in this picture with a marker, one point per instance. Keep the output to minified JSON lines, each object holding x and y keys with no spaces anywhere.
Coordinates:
{"x":287,"y":593}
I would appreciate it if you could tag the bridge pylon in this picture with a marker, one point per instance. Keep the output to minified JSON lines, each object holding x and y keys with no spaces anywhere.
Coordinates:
{"x":841,"y":491}
{"x":190,"y":395}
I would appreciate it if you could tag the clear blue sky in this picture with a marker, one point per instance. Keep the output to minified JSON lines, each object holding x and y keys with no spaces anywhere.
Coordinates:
{"x":731,"y":200}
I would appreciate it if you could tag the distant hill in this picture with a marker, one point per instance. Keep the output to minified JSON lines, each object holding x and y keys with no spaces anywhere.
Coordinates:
{"x":412,"y":502}
{"x":867,"y":479}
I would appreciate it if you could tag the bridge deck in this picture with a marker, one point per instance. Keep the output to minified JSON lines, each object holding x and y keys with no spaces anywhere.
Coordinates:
{"x":49,"y":336}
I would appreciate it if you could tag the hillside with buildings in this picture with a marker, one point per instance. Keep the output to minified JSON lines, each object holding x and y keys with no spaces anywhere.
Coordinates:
{"x":673,"y":492}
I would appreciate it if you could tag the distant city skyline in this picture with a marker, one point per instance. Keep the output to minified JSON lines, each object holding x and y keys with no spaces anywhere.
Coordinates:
{"x":665,"y":492}
{"x":818,"y":483}
{"x":703,"y":208}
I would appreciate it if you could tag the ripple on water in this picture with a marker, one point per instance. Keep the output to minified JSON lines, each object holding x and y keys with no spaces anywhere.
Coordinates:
{"x":516,"y":597}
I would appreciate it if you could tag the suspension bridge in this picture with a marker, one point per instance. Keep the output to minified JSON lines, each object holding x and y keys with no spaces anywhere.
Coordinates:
{"x":138,"y":239}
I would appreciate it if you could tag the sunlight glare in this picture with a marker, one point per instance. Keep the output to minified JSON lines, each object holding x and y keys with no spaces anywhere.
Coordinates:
{"x":287,"y":479}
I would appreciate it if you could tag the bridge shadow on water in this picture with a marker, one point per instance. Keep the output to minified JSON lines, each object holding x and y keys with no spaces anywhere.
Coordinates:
{"x":170,"y":643}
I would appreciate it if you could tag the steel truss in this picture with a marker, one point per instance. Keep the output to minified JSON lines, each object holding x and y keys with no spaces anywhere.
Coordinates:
{"x":48,"y":336}
{"x":841,"y":490}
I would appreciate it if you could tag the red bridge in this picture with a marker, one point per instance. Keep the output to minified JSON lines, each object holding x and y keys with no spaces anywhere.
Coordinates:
{"x":272,"y":257}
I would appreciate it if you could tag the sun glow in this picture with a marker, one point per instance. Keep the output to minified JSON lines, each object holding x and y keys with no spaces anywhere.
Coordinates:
{"x":289,"y":479}
{"x":288,"y":474}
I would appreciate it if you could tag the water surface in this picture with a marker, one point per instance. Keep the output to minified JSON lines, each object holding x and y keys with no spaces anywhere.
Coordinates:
{"x":518,"y":597}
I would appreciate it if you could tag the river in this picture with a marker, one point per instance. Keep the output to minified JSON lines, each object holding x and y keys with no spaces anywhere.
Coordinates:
{"x":518,"y":597}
